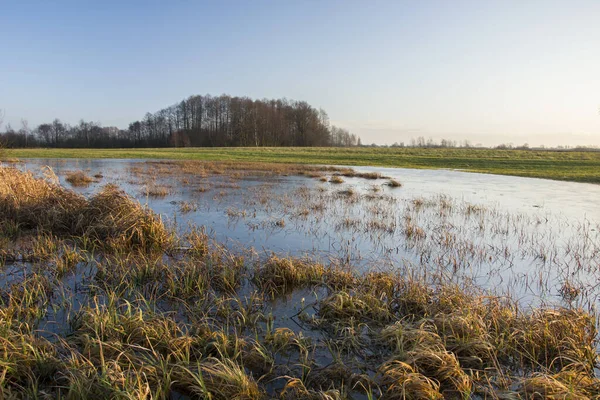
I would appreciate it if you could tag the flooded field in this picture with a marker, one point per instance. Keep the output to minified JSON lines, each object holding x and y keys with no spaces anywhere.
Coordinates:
{"x":271,"y":280}
{"x":525,"y":237}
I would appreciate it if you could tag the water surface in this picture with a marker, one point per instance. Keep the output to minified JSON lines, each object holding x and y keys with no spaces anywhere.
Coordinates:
{"x":520,"y":236}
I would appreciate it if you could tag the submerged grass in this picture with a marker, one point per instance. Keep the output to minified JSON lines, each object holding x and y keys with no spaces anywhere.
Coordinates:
{"x":149,"y":314}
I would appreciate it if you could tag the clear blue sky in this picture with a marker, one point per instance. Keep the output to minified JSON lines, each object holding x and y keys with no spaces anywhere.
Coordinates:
{"x":488,"y":71}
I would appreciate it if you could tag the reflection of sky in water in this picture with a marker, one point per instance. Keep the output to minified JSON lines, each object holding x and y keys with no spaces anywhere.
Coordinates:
{"x":531,"y":242}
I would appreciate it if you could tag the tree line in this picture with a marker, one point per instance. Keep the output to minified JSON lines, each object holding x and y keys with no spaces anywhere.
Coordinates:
{"x":202,"y":121}
{"x":430,"y":143}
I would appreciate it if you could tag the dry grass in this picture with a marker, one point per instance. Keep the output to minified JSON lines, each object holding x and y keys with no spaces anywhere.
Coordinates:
{"x":79,"y":178}
{"x":194,"y":319}
{"x":35,"y":203}
{"x":109,"y":218}
{"x":401,"y":381}
{"x":186,"y":207}
{"x":237,"y":170}
{"x":280,"y":275}
{"x":565,"y":385}
{"x":114,"y":217}
{"x":159,"y":191}
{"x":394,"y":183}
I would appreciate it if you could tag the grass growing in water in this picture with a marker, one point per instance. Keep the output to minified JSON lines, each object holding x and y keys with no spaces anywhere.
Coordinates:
{"x":394,"y":183}
{"x":336,"y":179}
{"x":79,"y":179}
{"x":159,"y":316}
{"x":108,"y":219}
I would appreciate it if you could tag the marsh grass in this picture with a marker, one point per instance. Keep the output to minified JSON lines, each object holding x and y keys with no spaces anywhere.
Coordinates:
{"x":150,"y":314}
{"x":183,"y":170}
{"x":394,"y":183}
{"x":280,"y":275}
{"x":154,"y":190}
{"x":79,"y":179}
{"x":186,"y":206}
{"x":109,"y":219}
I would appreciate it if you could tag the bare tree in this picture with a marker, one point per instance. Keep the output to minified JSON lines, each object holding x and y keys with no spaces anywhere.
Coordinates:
{"x":44,"y":132}
{"x":1,"y":140}
{"x":201,"y":120}
{"x":25,"y":131}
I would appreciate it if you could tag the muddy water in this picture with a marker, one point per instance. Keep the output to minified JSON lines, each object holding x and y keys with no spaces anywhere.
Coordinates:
{"x":529,"y":238}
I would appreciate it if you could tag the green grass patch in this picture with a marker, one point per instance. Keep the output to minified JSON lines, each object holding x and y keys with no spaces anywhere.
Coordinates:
{"x":550,"y":164}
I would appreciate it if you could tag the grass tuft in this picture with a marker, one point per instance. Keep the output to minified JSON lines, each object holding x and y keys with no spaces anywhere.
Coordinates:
{"x":79,"y":179}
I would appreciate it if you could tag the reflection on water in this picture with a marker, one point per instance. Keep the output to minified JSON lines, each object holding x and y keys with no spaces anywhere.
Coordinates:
{"x":530,"y":238}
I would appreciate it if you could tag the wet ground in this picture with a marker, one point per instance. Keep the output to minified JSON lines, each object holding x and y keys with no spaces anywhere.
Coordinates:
{"x":530,"y":238}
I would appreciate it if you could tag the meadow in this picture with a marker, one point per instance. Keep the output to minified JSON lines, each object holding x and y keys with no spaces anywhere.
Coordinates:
{"x":574,"y":166}
{"x":102,"y":297}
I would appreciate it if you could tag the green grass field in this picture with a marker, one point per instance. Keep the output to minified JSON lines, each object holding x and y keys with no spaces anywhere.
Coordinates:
{"x":558,"y":165}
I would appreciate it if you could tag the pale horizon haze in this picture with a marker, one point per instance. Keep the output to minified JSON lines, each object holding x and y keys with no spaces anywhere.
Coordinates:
{"x":489,"y":72}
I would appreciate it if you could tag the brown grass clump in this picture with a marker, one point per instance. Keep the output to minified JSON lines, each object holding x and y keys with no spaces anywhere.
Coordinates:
{"x":441,"y":365}
{"x":368,"y":175}
{"x":466,"y":335}
{"x":186,"y":207}
{"x":336,"y":179}
{"x":349,"y":192}
{"x":359,"y":306}
{"x":402,"y":382}
{"x":402,"y":337}
{"x":112,"y":215}
{"x":157,"y":191}
{"x":25,"y":357}
{"x":350,"y":173}
{"x":126,"y":325}
{"x":198,"y":241}
{"x":380,"y":283}
{"x":79,"y":179}
{"x":35,"y":203}
{"x":414,"y":298}
{"x":279,"y":275}
{"x":296,"y":390}
{"x":219,"y":380}
{"x":337,"y":375}
{"x":280,"y":338}
{"x":239,"y":169}
{"x":394,"y":183}
{"x":540,"y":387}
{"x":555,"y":338}
{"x":585,"y":382}
{"x":338,"y":278}
{"x":107,"y":219}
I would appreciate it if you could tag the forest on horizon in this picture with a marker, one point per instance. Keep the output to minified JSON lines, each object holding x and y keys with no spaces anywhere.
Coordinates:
{"x":199,"y":121}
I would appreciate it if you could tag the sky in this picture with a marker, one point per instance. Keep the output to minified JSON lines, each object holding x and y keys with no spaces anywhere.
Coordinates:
{"x":486,"y":71}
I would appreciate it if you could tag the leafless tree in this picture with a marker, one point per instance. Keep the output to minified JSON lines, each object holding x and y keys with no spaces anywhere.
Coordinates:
{"x":25,"y":131}
{"x":2,"y":145}
{"x":201,"y":120}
